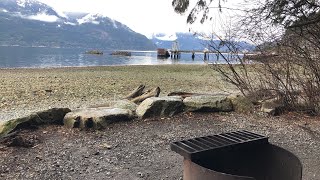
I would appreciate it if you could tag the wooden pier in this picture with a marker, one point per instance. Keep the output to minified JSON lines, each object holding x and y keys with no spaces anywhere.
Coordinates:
{"x":175,"y":52}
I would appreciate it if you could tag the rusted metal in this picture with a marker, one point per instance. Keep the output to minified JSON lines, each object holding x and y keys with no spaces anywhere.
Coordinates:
{"x":240,"y":155}
{"x":193,"y":171}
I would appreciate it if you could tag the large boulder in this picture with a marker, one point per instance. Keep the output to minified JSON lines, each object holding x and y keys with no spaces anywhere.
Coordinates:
{"x":160,"y":106}
{"x":241,"y":103}
{"x":125,"y":104}
{"x":50,"y":116}
{"x":96,"y":118}
{"x":122,"y":104}
{"x":211,"y":103}
{"x":272,"y":107}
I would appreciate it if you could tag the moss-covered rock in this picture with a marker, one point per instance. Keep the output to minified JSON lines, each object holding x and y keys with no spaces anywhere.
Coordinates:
{"x":96,"y":118}
{"x":160,"y":106}
{"x":211,"y":103}
{"x":125,"y":104}
{"x":272,"y":107}
{"x":241,"y":104}
{"x":122,"y":104}
{"x":50,"y":116}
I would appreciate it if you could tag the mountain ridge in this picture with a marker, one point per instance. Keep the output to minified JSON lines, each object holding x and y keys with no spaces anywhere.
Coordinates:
{"x":32,"y":23}
{"x":190,"y":41}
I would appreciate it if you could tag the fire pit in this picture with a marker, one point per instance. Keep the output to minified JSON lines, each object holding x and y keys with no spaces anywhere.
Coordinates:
{"x":236,"y":155}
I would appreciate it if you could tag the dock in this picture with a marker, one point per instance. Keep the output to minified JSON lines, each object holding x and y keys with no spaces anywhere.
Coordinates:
{"x":175,"y":52}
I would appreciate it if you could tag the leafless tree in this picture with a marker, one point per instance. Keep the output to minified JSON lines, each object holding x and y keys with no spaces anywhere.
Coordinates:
{"x":287,"y":36}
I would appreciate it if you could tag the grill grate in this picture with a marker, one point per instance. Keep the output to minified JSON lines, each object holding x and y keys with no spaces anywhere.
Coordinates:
{"x":192,"y":147}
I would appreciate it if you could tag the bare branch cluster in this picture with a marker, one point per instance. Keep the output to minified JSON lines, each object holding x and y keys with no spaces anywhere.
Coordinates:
{"x":202,"y":7}
{"x":286,"y":64}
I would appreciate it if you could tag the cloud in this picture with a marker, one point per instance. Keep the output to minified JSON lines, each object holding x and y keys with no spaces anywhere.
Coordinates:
{"x":146,"y":16}
{"x":166,"y":37}
{"x":44,"y":17}
{"x":3,"y":10}
{"x":143,"y":16}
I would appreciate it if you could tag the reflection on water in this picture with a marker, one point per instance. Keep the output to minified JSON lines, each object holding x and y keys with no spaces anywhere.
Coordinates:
{"x":15,"y":57}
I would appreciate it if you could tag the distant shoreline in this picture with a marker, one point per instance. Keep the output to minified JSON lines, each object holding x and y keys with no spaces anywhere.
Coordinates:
{"x":84,"y":67}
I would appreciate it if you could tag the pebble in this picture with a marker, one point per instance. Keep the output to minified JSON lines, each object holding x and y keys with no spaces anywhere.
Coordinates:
{"x":140,"y":174}
{"x":107,"y":146}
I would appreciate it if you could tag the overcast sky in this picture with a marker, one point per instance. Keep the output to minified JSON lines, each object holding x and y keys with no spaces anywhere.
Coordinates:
{"x":143,"y":16}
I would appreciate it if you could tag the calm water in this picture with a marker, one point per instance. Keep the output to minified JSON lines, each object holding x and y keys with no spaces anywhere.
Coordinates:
{"x":37,"y":57}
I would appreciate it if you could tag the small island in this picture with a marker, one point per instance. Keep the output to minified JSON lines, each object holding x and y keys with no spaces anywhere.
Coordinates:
{"x":96,"y":52}
{"x":121,"y":53}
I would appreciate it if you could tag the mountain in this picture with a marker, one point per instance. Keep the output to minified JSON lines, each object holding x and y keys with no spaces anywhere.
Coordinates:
{"x":31,"y":23}
{"x":189,"y":41}
{"x":27,"y":8}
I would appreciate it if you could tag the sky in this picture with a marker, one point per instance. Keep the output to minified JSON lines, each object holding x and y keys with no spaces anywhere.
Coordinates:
{"x":142,"y":16}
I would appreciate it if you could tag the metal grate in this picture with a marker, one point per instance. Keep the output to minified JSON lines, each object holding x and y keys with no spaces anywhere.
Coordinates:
{"x":196,"y":146}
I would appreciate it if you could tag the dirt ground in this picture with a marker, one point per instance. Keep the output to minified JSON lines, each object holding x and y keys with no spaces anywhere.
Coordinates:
{"x":140,"y":149}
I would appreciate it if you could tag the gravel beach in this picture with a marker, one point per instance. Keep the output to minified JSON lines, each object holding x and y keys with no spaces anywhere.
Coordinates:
{"x":23,"y":91}
{"x":138,"y":149}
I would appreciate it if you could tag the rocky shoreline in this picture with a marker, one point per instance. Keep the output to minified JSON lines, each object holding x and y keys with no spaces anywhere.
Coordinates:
{"x":23,"y":91}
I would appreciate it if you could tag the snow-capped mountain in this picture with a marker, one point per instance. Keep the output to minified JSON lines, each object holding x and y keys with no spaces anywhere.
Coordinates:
{"x":97,"y":19}
{"x":32,"y":23}
{"x":189,"y":41}
{"x":31,"y":9}
{"x":26,"y":7}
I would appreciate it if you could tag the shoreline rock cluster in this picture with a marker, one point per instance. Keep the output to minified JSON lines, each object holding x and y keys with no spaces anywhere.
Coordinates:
{"x":124,"y":110}
{"x":99,"y":117}
{"x":121,"y":110}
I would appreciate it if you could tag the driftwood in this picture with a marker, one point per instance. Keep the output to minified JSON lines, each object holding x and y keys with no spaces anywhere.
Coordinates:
{"x":153,"y":93}
{"x":188,"y":94}
{"x":184,"y":94}
{"x":136,"y":92}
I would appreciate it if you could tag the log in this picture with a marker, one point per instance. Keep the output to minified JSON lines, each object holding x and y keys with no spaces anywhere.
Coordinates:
{"x":153,"y":93}
{"x":184,"y":94}
{"x":189,"y":94}
{"x":136,"y":92}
